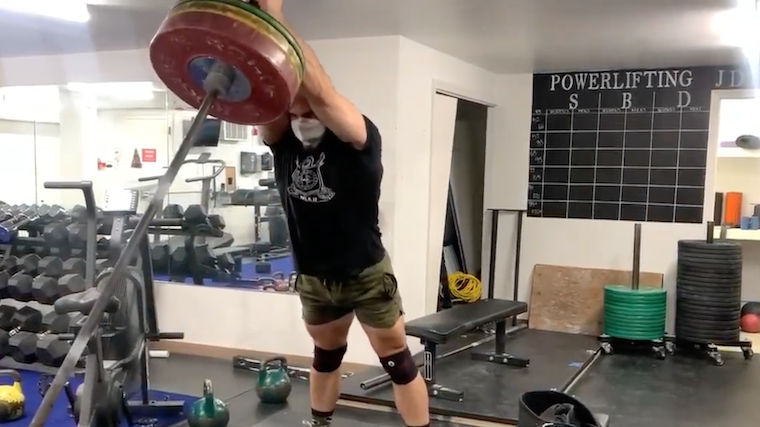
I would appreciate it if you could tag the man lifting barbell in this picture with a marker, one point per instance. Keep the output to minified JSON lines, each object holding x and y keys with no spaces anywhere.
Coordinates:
{"x":328,"y":168}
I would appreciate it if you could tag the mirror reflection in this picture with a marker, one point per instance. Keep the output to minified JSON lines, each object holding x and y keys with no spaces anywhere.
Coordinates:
{"x":222,"y":223}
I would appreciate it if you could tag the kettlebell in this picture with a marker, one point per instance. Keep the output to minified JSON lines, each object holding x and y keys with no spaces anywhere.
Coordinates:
{"x":12,"y":399}
{"x":208,"y":411}
{"x":273,"y":385}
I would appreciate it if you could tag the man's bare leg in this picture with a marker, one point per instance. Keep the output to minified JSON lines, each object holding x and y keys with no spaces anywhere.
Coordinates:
{"x":324,"y":382}
{"x":411,"y":398}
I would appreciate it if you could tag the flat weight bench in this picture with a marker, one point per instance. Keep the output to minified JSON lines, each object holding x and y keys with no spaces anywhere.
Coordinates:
{"x":438,"y":328}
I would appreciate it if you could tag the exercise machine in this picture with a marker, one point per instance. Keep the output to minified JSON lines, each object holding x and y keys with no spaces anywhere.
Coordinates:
{"x":117,"y":360}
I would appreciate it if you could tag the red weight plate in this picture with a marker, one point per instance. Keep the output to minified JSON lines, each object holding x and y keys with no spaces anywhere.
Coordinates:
{"x":189,"y":35}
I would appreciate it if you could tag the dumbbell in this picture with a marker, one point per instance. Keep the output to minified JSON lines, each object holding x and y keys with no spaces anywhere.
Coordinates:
{"x":52,"y":213}
{"x":6,"y":317}
{"x":159,"y":253}
{"x":56,"y":234}
{"x":173,"y":211}
{"x":50,"y":349}
{"x":20,"y":284}
{"x":24,"y":345}
{"x":11,"y":226}
{"x":24,"y":319}
{"x":8,"y":267}
{"x":58,"y":278}
{"x":196,"y":214}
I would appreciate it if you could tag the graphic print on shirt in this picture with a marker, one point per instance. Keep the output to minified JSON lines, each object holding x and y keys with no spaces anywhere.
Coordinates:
{"x":307,"y":183}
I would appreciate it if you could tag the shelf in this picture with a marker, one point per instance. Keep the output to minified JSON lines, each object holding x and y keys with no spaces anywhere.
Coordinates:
{"x":736,"y":152}
{"x":739,"y":234}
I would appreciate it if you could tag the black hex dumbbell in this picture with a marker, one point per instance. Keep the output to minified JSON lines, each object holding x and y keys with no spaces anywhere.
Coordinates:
{"x":56,"y":235}
{"x":20,"y":284}
{"x":51,"y":351}
{"x":24,"y":345}
{"x":24,"y":319}
{"x":6,"y":317}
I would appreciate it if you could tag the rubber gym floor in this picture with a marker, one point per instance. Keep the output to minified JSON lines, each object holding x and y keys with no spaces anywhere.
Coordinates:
{"x":634,"y":390}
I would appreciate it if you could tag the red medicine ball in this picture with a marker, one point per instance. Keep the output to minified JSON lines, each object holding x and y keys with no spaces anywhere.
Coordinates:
{"x":751,"y":323}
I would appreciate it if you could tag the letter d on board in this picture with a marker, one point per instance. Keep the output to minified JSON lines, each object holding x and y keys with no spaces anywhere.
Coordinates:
{"x":684,"y":99}
{"x":573,"y":101}
{"x":627,"y":100}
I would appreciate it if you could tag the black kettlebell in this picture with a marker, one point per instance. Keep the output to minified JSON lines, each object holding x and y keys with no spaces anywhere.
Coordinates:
{"x":273,"y":385}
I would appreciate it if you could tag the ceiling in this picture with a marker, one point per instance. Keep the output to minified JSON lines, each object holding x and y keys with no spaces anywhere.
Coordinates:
{"x":499,"y":35}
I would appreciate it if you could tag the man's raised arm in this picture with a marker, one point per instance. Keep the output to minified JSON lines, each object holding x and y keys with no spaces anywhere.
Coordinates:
{"x":334,"y":111}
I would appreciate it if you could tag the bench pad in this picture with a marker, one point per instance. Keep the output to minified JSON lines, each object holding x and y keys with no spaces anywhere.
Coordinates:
{"x":441,"y":326}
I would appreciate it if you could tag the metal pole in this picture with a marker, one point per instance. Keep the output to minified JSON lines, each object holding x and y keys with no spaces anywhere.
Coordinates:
{"x":120,"y":269}
{"x":518,"y":249}
{"x":636,"y":257}
{"x":492,"y":255}
{"x":710,"y":232}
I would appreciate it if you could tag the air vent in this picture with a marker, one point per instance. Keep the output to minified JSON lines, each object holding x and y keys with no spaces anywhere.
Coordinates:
{"x":234,"y":133}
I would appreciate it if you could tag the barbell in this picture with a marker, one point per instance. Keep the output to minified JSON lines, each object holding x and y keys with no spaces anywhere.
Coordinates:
{"x":228,"y":59}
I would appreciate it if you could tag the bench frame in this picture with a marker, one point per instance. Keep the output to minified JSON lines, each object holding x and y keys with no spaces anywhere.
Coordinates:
{"x":499,"y":355}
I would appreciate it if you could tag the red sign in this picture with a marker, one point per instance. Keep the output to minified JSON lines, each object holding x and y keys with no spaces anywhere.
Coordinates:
{"x":149,"y":155}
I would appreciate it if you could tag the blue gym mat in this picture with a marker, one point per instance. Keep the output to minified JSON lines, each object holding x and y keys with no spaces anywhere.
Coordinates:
{"x":282,"y":265}
{"x":61,"y":415}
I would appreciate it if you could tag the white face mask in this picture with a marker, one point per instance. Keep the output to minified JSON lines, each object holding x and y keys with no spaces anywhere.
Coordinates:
{"x":309,"y":131}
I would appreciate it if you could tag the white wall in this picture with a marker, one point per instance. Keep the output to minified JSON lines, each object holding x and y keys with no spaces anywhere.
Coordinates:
{"x":568,"y":242}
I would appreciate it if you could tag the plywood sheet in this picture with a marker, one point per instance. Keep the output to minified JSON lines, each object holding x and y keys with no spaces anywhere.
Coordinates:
{"x":571,"y":299}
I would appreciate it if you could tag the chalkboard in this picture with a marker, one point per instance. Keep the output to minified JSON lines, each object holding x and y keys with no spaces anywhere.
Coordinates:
{"x":623,"y":145}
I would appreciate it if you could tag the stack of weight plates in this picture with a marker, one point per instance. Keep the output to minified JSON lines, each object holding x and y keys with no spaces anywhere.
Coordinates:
{"x":634,"y":314}
{"x":709,"y":285}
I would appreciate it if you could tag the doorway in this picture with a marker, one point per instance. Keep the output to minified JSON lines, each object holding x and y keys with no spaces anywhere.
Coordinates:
{"x":463,"y":221}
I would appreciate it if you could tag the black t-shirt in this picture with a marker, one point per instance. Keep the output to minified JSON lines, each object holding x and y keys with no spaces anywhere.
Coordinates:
{"x":330,"y":195}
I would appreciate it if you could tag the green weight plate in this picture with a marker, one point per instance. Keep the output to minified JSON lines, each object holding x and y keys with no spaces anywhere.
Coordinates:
{"x":627,"y":292}
{"x":633,"y":311}
{"x":635,"y":335}
{"x":263,"y":15}
{"x":634,"y":326}
{"x":614,"y":317}
{"x":620,"y":289}
{"x":634,"y":302}
{"x":654,"y":314}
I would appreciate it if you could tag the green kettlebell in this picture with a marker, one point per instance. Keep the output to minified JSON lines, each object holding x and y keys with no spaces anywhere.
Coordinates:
{"x":274,"y":384}
{"x":208,"y":411}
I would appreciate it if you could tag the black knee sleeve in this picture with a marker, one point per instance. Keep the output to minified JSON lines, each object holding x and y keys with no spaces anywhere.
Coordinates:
{"x":327,"y":361}
{"x":400,"y":367}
